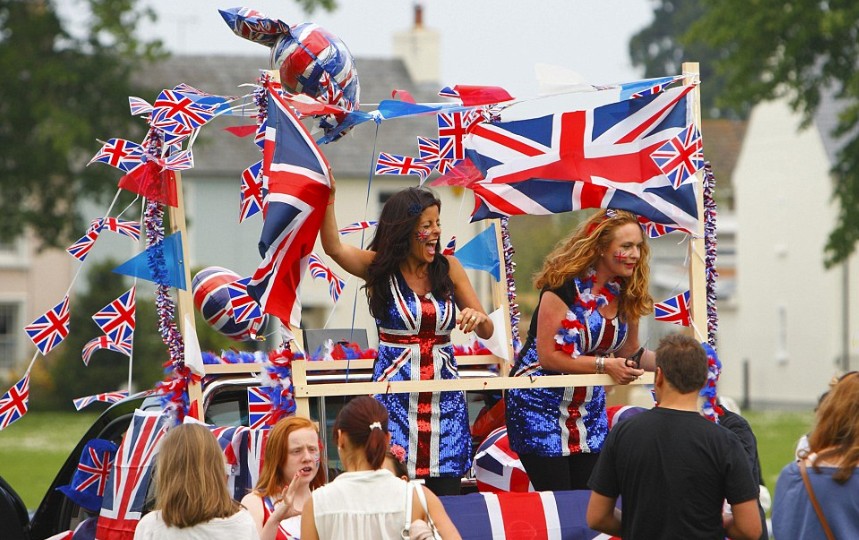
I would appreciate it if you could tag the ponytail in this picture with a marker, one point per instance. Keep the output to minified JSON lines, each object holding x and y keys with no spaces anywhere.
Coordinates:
{"x":365,"y":420}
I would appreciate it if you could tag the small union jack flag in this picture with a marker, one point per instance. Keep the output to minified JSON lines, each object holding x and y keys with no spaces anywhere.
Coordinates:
{"x":95,"y":474}
{"x":50,"y":329}
{"x":443,"y":166}
{"x":681,"y":156}
{"x":124,"y":227}
{"x":139,"y":106}
{"x":81,"y":248}
{"x":104,"y":342}
{"x":428,"y":149}
{"x":659,"y":85}
{"x":357,"y":227}
{"x":106,"y":397}
{"x":13,"y":404}
{"x":244,"y":307}
{"x":319,"y":270}
{"x":172,"y":107}
{"x":674,"y":310}
{"x":259,"y":407}
{"x":116,"y":319}
{"x":251,"y":195}
{"x":120,"y":153}
{"x":394,"y":164}
{"x":447,"y":91}
{"x":450,"y":248}
{"x":179,"y":161}
{"x":174,"y":134}
{"x":452,"y":127}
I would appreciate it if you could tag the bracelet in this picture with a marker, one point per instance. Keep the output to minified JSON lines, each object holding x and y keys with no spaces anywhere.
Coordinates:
{"x":600,"y":365}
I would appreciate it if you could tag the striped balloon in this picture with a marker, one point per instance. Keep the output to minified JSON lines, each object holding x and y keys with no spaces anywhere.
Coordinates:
{"x":212,"y":300}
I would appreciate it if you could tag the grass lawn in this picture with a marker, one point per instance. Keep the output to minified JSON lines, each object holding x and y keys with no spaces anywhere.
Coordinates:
{"x":33,"y":449}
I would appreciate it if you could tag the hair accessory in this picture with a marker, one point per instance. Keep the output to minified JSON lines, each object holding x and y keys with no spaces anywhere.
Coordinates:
{"x":375,"y":425}
{"x":415,"y":209}
{"x":398,"y":452}
{"x":610,"y":213}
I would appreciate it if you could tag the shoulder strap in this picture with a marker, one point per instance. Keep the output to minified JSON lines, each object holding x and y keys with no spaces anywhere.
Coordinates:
{"x":423,"y":499}
{"x":817,"y":509}
{"x":410,"y":489}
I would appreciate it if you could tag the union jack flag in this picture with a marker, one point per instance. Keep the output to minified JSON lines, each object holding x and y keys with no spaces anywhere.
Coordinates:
{"x":106,"y":397}
{"x":428,"y":149}
{"x":104,"y":342}
{"x":652,"y":86}
{"x":259,"y":407}
{"x":680,"y":157}
{"x":232,"y":441}
{"x":447,"y":91}
{"x":452,"y":129}
{"x":50,"y":329}
{"x":139,"y":106}
{"x":497,"y":467}
{"x":174,"y":134}
{"x":13,"y":404}
{"x":83,"y":245}
{"x":298,"y":187}
{"x":320,"y":271}
{"x":243,"y":306}
{"x":357,"y":227}
{"x":445,"y":165}
{"x":120,"y":153}
{"x":394,"y":164}
{"x":179,"y":161}
{"x":129,"y":479}
{"x":116,"y":319}
{"x":97,"y":473}
{"x":654,"y":230}
{"x":251,"y":195}
{"x":450,"y":248}
{"x":172,"y":107}
{"x":124,"y":227}
{"x":256,"y":452}
{"x":674,"y":310}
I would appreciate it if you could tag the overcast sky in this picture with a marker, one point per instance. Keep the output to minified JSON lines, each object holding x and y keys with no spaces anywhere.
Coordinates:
{"x":482,"y":41}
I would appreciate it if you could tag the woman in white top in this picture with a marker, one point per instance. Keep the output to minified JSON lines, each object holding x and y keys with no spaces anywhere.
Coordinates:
{"x":191,"y":497}
{"x":366,"y":501}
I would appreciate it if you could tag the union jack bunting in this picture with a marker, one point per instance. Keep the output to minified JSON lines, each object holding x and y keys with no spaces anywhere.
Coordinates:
{"x":104,"y":343}
{"x":450,"y":248}
{"x":251,"y":194}
{"x":51,"y":328}
{"x":402,"y":165}
{"x":172,"y":107}
{"x":139,"y":106}
{"x":452,"y":129}
{"x":124,"y":227}
{"x":120,"y":153}
{"x":357,"y":227}
{"x":680,"y":157}
{"x":14,"y":403}
{"x":674,"y":310}
{"x":116,"y":319}
{"x":244,"y":307}
{"x":83,"y":245}
{"x":259,"y":407}
{"x":106,"y":397}
{"x":320,"y":271}
{"x":122,"y":506}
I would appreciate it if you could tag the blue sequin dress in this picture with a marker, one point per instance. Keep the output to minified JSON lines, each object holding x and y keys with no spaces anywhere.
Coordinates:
{"x":554,"y":422}
{"x":414,"y":344}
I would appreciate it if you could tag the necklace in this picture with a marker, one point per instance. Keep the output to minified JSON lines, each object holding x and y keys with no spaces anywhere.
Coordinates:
{"x":568,"y":338}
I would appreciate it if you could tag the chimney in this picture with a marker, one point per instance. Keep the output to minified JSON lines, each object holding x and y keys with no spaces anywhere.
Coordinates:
{"x":418,"y":48}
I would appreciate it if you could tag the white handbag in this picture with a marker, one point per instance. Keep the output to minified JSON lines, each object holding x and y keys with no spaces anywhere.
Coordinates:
{"x":418,"y":529}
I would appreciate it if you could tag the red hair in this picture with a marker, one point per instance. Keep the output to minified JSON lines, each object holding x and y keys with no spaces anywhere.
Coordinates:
{"x":271,"y":479}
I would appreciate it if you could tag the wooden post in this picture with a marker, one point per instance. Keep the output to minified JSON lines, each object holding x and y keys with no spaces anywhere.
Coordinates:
{"x":185,"y":302}
{"x":697,"y":251}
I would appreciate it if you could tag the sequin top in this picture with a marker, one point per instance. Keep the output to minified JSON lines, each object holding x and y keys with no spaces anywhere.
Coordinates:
{"x":414,"y":344}
{"x":553,"y":422}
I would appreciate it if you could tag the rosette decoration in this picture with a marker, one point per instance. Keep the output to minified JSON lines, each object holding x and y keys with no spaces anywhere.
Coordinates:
{"x":568,"y":338}
{"x":276,"y":381}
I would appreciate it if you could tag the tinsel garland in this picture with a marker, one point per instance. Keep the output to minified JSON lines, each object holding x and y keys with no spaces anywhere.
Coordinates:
{"x":260,"y":97}
{"x":711,"y":409}
{"x":710,"y":252}
{"x":568,"y":338}
{"x":276,"y":380}
{"x":510,"y":268}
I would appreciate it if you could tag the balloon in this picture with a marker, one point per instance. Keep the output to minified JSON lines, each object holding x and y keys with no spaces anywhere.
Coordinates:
{"x":311,"y":60}
{"x":212,"y":300}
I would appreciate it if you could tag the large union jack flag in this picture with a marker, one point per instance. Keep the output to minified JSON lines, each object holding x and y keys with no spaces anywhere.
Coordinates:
{"x":609,"y":147}
{"x":14,"y":403}
{"x":116,"y":319}
{"x":50,"y":329}
{"x":673,"y":310}
{"x":402,"y":165}
{"x":320,"y":270}
{"x":105,"y":397}
{"x":123,"y":501}
{"x":105,"y":343}
{"x":680,"y":157}
{"x":120,"y":153}
{"x":299,"y":183}
{"x":251,"y":194}
{"x":259,"y":407}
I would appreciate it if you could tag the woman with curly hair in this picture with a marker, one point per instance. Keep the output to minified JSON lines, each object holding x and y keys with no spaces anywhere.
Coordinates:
{"x":826,"y":470}
{"x":413,"y":291}
{"x":593,"y":290}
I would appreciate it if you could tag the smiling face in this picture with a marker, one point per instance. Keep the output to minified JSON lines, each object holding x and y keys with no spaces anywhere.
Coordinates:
{"x":426,"y":235}
{"x":624,"y":251}
{"x":302,"y":456}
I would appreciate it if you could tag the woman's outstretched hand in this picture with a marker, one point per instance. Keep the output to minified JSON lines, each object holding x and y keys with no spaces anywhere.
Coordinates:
{"x":469,"y":319}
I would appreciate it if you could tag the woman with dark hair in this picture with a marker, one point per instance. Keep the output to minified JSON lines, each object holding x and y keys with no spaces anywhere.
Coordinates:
{"x":593,"y":290}
{"x":413,"y":292}
{"x":366,"y":501}
{"x":291,"y":470}
{"x":820,"y":491}
{"x":191,"y":496}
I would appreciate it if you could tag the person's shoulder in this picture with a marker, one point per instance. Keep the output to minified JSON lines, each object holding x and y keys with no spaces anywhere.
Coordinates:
{"x":149,"y":526}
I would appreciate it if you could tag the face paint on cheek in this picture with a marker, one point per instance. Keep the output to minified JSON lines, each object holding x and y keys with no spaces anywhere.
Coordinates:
{"x":422,"y":235}
{"x":620,"y":256}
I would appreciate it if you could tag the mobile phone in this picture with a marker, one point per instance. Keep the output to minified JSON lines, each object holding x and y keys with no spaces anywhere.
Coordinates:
{"x":635,"y":359}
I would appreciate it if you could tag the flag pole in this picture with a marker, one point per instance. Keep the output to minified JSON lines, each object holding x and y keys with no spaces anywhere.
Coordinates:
{"x":697,"y":249}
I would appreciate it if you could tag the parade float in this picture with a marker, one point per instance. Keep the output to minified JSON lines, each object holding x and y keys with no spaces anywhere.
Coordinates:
{"x":538,"y":156}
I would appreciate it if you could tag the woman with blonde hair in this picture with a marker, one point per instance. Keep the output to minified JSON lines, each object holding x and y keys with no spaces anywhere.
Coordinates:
{"x":817,"y":496}
{"x":593,"y":290}
{"x":291,"y":470}
{"x":191,"y":496}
